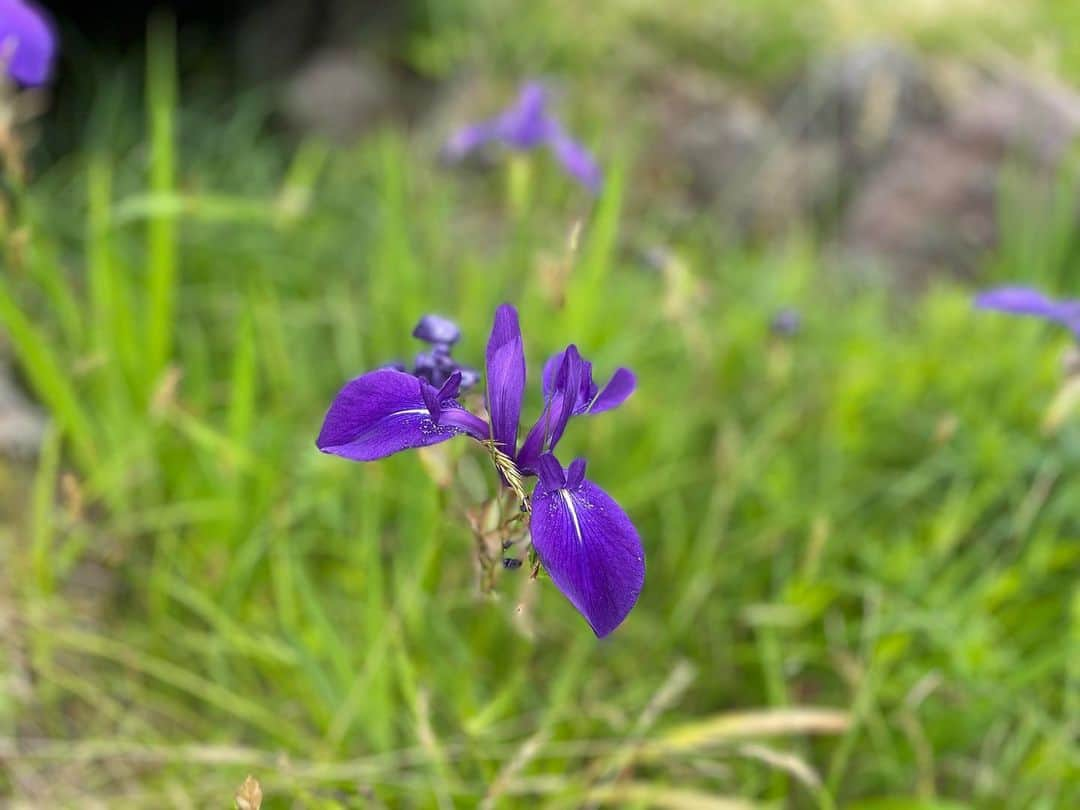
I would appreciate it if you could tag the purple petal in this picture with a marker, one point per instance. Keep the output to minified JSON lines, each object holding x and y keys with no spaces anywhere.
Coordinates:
{"x":468,"y":139}
{"x":590,"y":549}
{"x":384,"y":412}
{"x":567,"y":393}
{"x":527,"y":124}
{"x":586,"y":389}
{"x":590,"y":398}
{"x":1018,"y":300}
{"x":547,"y":376}
{"x":562,"y":386}
{"x":528,"y":456}
{"x":576,"y":473}
{"x":27,"y":42}
{"x":505,"y":378}
{"x":451,"y":387}
{"x":551,"y":474}
{"x":615,"y":393}
{"x":577,"y":162}
{"x":1027,"y":301}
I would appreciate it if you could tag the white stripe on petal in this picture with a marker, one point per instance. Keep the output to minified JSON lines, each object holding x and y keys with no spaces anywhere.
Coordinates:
{"x":573,"y":514}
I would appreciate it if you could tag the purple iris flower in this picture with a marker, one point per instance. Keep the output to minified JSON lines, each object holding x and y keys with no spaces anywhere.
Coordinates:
{"x":786,"y":323}
{"x":27,"y":42}
{"x":1028,"y":301}
{"x":582,"y":537}
{"x":528,"y":125}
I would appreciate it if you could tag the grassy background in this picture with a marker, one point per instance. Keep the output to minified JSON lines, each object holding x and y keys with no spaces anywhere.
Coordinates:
{"x":862,"y":542}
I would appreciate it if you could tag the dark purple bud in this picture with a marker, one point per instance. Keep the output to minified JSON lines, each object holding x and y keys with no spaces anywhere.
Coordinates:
{"x":437,"y":330}
{"x":786,"y":323}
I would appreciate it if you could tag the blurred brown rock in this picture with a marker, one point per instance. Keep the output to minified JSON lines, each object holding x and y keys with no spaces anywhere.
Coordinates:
{"x":340,"y":95}
{"x":932,"y":207}
{"x":766,"y":166}
{"x":860,"y":103}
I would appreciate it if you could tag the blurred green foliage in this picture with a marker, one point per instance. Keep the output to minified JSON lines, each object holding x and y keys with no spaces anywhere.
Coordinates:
{"x":862,"y":541}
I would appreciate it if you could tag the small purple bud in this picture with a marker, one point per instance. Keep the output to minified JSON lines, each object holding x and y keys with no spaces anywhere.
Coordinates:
{"x":437,"y":330}
{"x":786,"y":323}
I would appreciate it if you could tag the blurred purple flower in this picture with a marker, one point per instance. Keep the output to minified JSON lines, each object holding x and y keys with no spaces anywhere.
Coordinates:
{"x":786,"y":323}
{"x":528,"y":125}
{"x":582,"y":536}
{"x":1028,"y":301}
{"x":27,"y":42}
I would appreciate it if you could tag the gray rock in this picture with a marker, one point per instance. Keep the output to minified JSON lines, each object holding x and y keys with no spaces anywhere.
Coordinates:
{"x":862,"y":102}
{"x":932,"y":208}
{"x":341,"y":95}
{"x":768,"y":167}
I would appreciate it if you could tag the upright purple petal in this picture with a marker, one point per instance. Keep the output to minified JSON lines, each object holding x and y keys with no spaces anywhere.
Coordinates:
{"x":563,"y":377}
{"x":384,"y":412}
{"x":505,"y":378}
{"x":577,"y":161}
{"x":567,"y":395}
{"x":589,"y":547}
{"x":615,"y":393}
{"x":27,"y":42}
{"x":591,"y":399}
{"x":547,"y":376}
{"x":551,"y":473}
{"x":575,"y":473}
{"x":527,"y":124}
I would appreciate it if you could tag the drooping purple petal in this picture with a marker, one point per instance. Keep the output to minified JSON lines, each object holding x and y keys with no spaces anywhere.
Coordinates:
{"x":505,"y":378}
{"x":615,"y":393}
{"x":1027,"y":301}
{"x":383,"y":412}
{"x":468,"y":139}
{"x":577,"y":162}
{"x":27,"y":42}
{"x":1018,"y":300}
{"x":588,"y":546}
